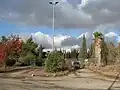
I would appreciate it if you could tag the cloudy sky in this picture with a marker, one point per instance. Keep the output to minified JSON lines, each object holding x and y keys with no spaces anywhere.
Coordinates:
{"x":73,"y":18}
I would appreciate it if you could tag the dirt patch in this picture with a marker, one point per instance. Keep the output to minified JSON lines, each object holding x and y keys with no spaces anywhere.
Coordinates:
{"x":110,"y":71}
{"x":39,"y":72}
{"x":12,"y":69}
{"x":111,"y":68}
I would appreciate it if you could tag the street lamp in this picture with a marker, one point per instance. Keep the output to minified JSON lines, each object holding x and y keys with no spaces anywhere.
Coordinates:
{"x":53,"y":3}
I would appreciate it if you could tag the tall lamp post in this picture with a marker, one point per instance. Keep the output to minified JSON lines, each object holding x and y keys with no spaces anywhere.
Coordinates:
{"x":53,"y":3}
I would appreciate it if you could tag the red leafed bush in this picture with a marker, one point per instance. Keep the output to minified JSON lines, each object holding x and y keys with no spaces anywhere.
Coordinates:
{"x":2,"y":53}
{"x":11,"y":47}
{"x":14,"y":46}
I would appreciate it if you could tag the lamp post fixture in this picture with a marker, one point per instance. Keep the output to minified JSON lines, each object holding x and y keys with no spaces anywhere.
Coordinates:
{"x":53,"y":3}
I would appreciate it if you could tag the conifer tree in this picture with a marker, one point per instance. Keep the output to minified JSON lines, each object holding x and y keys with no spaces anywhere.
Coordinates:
{"x":41,"y":51}
{"x":83,"y":49}
{"x":28,"y":53}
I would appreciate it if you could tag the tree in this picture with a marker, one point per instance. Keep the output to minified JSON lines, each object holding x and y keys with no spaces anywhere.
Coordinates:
{"x":104,"y":53}
{"x":29,"y":53}
{"x":103,"y":58}
{"x":60,"y":51}
{"x":54,"y":62}
{"x":83,"y":52}
{"x":40,"y":59}
{"x":4,"y":39}
{"x":40,"y":50}
{"x":83,"y":49}
{"x":91,"y":52}
{"x":29,"y":59}
{"x":11,"y":49}
{"x":97,"y":34}
{"x":74,"y":53}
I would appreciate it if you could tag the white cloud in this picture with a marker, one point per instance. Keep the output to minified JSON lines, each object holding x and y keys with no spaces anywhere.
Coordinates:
{"x":112,"y":37}
{"x":83,"y":3}
{"x":39,"y":13}
{"x":75,"y":47}
{"x":111,"y":34}
{"x":106,"y":12}
{"x":46,"y":40}
{"x":87,"y":35}
{"x":88,"y":14}
{"x":118,"y":39}
{"x":59,"y":39}
{"x":67,"y":42}
{"x":95,"y":15}
{"x":24,"y":35}
{"x":43,"y":39}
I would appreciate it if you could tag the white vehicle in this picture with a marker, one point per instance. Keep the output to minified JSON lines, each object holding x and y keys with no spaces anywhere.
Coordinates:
{"x":75,"y":65}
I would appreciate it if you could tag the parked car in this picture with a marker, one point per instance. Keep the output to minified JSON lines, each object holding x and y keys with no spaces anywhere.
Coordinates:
{"x":82,"y":62}
{"x":75,"y":64}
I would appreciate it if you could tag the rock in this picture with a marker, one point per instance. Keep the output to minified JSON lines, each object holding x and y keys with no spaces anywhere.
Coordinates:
{"x":46,"y":75}
{"x":33,"y":75}
{"x":54,"y":75}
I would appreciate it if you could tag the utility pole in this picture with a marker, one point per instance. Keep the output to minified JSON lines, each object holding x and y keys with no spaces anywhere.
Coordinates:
{"x":53,"y":3}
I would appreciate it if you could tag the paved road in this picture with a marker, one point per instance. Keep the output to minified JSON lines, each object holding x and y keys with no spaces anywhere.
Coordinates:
{"x":81,"y":80}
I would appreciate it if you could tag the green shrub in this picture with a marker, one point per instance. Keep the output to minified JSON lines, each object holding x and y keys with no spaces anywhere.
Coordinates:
{"x":28,"y":59}
{"x":40,"y":62}
{"x":54,"y":62}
